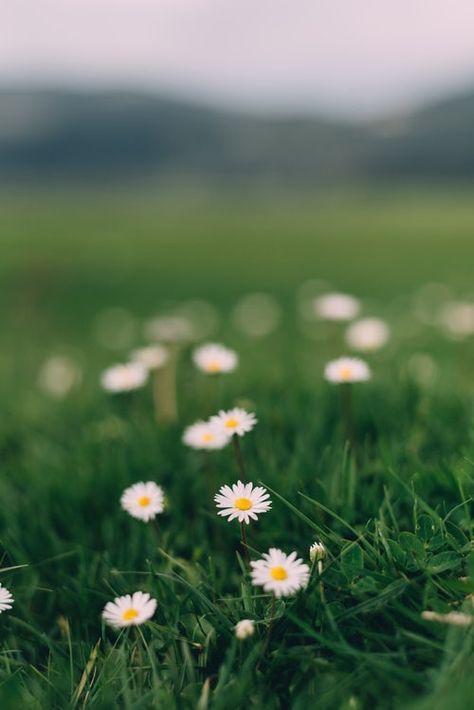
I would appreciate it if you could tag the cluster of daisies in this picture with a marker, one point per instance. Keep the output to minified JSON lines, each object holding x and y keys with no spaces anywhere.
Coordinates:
{"x":276,"y":572}
{"x":210,"y":358}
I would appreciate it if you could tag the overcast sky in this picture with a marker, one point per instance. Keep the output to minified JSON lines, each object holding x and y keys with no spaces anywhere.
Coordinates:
{"x":345,"y":56}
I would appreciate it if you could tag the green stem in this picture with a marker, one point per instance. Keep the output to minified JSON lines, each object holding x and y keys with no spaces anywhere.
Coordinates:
{"x":346,"y":411}
{"x":269,"y":631}
{"x":139,"y":660}
{"x":238,"y":456}
{"x":245,"y":548}
{"x":164,"y":389}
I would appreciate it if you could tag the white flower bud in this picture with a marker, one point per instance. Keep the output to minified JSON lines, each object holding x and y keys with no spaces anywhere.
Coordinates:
{"x":244,"y":629}
{"x":317,"y":552}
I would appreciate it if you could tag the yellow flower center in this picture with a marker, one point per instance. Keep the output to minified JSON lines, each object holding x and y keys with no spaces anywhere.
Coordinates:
{"x":214,"y":366}
{"x":278,"y":573}
{"x":207,"y":438}
{"x":231,"y":423}
{"x":345,"y":373}
{"x":144,"y":501}
{"x":129,"y":614}
{"x":243,"y":503}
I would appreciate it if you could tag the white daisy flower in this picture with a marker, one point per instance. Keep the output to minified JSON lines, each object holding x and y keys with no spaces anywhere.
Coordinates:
{"x":317,"y":552}
{"x":244,"y":629}
{"x":213,"y":358}
{"x":170,"y":329}
{"x":143,"y":500}
{"x":58,"y":375}
{"x":457,"y":319}
{"x":242,"y":501}
{"x":124,"y":378}
{"x":6,"y":599}
{"x":233,"y":421}
{"x":129,"y":610}
{"x":257,"y":314}
{"x":152,"y":357}
{"x":368,"y":334}
{"x":281,"y":574}
{"x":337,"y":306}
{"x":347,"y":369}
{"x":202,"y":435}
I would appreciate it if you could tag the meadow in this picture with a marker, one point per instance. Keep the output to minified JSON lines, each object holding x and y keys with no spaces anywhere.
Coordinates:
{"x":81,"y":273}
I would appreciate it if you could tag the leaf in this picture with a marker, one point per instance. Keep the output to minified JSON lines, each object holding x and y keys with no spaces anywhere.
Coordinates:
{"x":425,"y":527}
{"x":352,"y":560}
{"x":414,"y":549}
{"x":443,"y":561}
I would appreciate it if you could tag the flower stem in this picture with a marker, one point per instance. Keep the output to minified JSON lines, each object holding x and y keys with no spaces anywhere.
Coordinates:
{"x":321,"y":583}
{"x":269,"y":631}
{"x":245,"y":548}
{"x":139,"y":660}
{"x":164,"y":389}
{"x":238,"y":455}
{"x":346,"y":411}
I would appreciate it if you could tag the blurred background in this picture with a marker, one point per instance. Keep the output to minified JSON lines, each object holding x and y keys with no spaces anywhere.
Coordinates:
{"x":154,"y":152}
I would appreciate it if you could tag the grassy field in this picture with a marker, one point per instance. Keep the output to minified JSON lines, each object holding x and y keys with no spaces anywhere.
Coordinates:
{"x":394,"y":513}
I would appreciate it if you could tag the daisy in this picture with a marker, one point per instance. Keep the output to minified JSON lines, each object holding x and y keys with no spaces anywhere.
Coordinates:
{"x":129,"y":610}
{"x":233,"y":421}
{"x":170,"y":329}
{"x":257,"y":315}
{"x":58,"y":376}
{"x":6,"y":599}
{"x":242,"y":501}
{"x":152,"y":357}
{"x":337,"y":306}
{"x":143,"y":500}
{"x":346,"y":370}
{"x":124,"y":378}
{"x":457,"y":319}
{"x":202,"y":435}
{"x":213,"y":358}
{"x":368,"y":334}
{"x":281,"y":574}
{"x":244,"y":629}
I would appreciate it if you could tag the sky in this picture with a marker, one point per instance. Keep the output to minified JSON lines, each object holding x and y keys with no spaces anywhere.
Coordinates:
{"x":347,"y":57}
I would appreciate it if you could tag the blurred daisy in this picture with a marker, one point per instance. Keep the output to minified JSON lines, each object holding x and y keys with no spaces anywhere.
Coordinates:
{"x":124,"y":378}
{"x":281,"y":574}
{"x":129,"y":610}
{"x":202,"y":435}
{"x":6,"y":599}
{"x":233,"y":421}
{"x":213,"y":358}
{"x":337,"y":306}
{"x":368,"y":334}
{"x":423,"y":369}
{"x":58,"y":375}
{"x":457,"y":319}
{"x":257,"y":314}
{"x":346,"y":369}
{"x":152,"y":357}
{"x":244,"y":629}
{"x":242,"y":501}
{"x":143,"y":500}
{"x":170,"y":329}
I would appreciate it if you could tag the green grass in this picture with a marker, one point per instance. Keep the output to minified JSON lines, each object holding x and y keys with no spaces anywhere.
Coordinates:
{"x":395,"y":516}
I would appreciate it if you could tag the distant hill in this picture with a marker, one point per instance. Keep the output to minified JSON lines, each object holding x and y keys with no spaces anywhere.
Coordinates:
{"x":62,"y":135}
